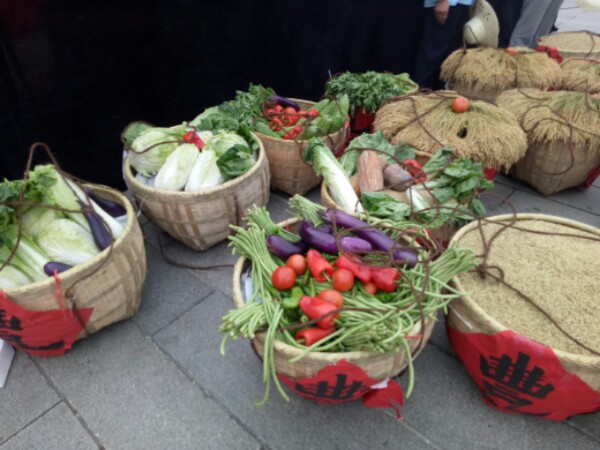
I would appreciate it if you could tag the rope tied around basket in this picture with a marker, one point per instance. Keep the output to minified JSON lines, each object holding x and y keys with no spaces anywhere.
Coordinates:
{"x":70,"y":293}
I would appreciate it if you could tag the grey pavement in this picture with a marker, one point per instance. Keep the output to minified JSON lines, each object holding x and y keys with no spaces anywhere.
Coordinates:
{"x":158,"y":381}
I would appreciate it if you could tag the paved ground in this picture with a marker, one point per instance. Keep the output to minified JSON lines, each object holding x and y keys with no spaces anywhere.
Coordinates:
{"x":157,"y":381}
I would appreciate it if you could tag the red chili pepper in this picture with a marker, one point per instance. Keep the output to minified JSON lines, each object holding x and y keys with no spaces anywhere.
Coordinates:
{"x":413,"y":167}
{"x":360,"y":271}
{"x":315,"y":307}
{"x":276,"y":124}
{"x":189,"y":136}
{"x":385,"y":278}
{"x":318,"y":265}
{"x":312,"y":335}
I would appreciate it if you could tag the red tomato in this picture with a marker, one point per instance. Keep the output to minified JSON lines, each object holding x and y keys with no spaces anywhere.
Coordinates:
{"x":276,"y":124}
{"x":312,"y":113}
{"x":283,"y":278}
{"x":331,"y":296}
{"x":370,"y":288}
{"x":460,"y":104}
{"x":278,"y":108}
{"x":343,"y":280}
{"x":511,"y":51}
{"x":270,"y":113}
{"x":297,"y":262}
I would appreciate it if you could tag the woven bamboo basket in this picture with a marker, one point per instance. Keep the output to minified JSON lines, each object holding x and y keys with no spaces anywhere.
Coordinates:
{"x":288,"y":172}
{"x":201,"y":219}
{"x":467,"y":316}
{"x":376,"y":365}
{"x":484,"y":73}
{"x":110,"y":283}
{"x":574,"y":44}
{"x":563,"y":148}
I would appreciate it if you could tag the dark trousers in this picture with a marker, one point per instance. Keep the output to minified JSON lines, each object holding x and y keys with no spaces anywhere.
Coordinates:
{"x":437,"y":42}
{"x":508,"y":12}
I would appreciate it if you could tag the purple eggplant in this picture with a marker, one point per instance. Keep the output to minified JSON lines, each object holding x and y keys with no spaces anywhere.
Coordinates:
{"x":283,"y":101}
{"x":327,"y":243}
{"x":100,"y":233}
{"x":54,"y":266}
{"x":378,"y":239}
{"x":283,"y":248}
{"x":325,"y":229}
{"x":112,"y":208}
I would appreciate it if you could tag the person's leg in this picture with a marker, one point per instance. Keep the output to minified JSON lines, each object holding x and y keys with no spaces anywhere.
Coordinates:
{"x":437,"y":42}
{"x":508,"y":12}
{"x":547,"y":21}
{"x":532,"y":14}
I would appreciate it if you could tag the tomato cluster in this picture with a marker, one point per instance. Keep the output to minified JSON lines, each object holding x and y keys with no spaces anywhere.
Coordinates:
{"x":285,"y":120}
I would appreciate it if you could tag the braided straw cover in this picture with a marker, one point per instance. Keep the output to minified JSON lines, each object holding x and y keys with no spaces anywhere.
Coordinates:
{"x":376,"y":365}
{"x":288,"y":172}
{"x":466,"y":309}
{"x":113,"y":280}
{"x":201,"y":219}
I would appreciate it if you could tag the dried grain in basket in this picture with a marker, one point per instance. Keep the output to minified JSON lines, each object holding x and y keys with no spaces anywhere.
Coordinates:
{"x":574,"y":44}
{"x":376,"y":365}
{"x":110,"y":283}
{"x":201,"y":219}
{"x":563,"y":135}
{"x":289,"y":173}
{"x":470,"y":314}
{"x":581,"y":74}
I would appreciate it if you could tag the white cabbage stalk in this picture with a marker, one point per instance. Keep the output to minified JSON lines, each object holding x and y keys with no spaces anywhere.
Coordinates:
{"x":223,"y":141}
{"x":11,"y":277}
{"x":205,"y":172}
{"x":175,"y":172}
{"x":67,"y":242}
{"x":205,"y":135}
{"x":149,"y":162}
{"x":35,"y":220}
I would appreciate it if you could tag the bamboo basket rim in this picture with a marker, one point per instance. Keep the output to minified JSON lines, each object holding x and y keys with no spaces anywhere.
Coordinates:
{"x":494,"y":324}
{"x":73,"y":273}
{"x":291,"y":352}
{"x":294,"y":143}
{"x":150,"y":190}
{"x":572,"y":47}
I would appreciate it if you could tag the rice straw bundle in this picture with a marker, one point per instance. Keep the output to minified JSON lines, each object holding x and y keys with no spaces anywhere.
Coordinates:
{"x":486,"y":72}
{"x":574,"y":44}
{"x":563,"y":134}
{"x":580,"y":74}
{"x":484,"y":133}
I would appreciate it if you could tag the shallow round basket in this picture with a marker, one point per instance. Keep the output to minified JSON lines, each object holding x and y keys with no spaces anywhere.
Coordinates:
{"x":288,"y":172}
{"x":201,"y":219}
{"x":376,"y":365}
{"x":574,"y":44}
{"x":110,"y":283}
{"x":553,"y":167}
{"x":466,"y":316}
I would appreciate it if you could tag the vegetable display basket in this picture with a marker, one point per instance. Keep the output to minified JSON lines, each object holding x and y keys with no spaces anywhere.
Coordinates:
{"x":289,"y":173}
{"x":516,"y":353}
{"x":377,"y":366}
{"x":574,"y":44}
{"x":201,"y":219}
{"x":484,"y":73}
{"x":89,"y":296}
{"x":563,"y":133}
{"x":484,"y":133}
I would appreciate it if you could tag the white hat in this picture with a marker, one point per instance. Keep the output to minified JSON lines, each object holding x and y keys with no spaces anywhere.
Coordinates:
{"x":483,"y":28}
{"x":589,"y":5}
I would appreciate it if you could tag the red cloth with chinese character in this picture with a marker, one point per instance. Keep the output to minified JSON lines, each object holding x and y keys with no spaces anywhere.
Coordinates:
{"x":40,"y":333}
{"x":344,"y":382}
{"x":518,"y":375}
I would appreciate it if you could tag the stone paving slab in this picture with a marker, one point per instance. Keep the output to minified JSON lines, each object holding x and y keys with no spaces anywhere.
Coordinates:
{"x":25,"y":397}
{"x":132,"y":396}
{"x":163,"y":302}
{"x":236,"y":380}
{"x":58,"y":429}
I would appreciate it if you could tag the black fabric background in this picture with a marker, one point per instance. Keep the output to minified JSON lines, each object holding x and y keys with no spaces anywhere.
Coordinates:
{"x":74,"y":73}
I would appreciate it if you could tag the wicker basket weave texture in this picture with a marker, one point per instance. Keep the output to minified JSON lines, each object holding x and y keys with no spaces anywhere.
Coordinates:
{"x":288,"y":172}
{"x":376,"y":365}
{"x":465,"y":310}
{"x":111,"y":282}
{"x":201,"y":219}
{"x":554,"y":167}
{"x":574,"y":44}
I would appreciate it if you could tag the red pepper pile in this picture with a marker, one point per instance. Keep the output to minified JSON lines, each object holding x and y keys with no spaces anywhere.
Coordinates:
{"x":301,"y":301}
{"x":552,"y":52}
{"x":285,"y":120}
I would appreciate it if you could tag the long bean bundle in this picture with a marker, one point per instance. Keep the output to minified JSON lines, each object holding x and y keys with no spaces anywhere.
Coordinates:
{"x":373,"y":323}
